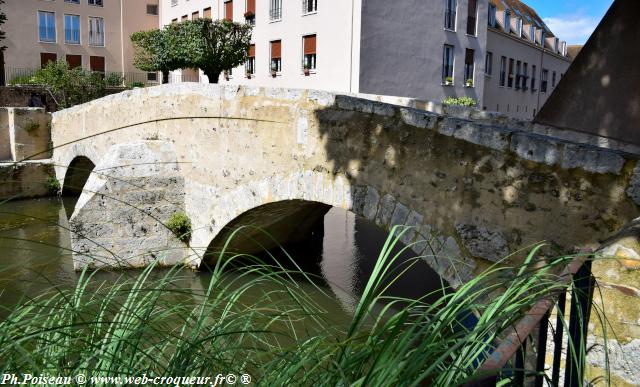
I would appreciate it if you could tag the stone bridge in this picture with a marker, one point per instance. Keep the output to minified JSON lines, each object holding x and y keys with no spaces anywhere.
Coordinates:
{"x":475,"y":186}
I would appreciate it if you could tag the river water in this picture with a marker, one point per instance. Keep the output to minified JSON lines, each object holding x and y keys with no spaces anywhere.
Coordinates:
{"x":35,"y":255}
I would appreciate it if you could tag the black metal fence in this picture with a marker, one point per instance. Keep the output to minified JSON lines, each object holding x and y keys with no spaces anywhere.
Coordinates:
{"x":530,"y":339}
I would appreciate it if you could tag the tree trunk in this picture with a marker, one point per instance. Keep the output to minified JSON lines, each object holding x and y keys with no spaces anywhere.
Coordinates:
{"x":165,"y":77}
{"x":213,"y":75}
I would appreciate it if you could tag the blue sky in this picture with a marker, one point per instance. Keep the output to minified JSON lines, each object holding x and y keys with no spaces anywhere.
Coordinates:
{"x":571,"y":20}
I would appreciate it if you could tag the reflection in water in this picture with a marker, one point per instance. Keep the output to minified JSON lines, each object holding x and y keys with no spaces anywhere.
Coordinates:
{"x":35,"y":256}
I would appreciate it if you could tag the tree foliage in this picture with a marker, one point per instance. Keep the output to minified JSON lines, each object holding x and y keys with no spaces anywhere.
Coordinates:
{"x":210,"y":45}
{"x":67,"y":86}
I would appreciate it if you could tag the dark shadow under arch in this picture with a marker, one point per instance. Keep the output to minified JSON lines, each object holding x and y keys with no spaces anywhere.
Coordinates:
{"x":75,"y":178}
{"x":299,"y":227}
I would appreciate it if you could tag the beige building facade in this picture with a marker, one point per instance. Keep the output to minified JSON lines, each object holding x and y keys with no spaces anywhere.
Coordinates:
{"x":92,"y":34}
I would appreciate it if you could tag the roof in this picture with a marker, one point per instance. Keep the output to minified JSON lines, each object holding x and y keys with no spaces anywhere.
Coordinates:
{"x":574,"y":50}
{"x":526,"y":13}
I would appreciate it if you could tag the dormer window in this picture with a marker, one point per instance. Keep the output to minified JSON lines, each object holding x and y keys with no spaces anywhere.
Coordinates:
{"x":492,"y":15}
{"x":556,"y":44}
{"x":532,"y":33}
{"x":507,"y":21}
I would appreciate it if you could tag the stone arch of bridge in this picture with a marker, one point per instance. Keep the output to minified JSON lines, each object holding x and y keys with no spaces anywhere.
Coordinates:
{"x":288,"y":206}
{"x":76,"y":175}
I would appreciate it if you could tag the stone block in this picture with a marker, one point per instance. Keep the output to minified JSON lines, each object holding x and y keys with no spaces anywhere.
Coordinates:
{"x":592,"y":159}
{"x":418,"y":118}
{"x":485,"y":135}
{"x":371,"y":200}
{"x":385,"y":211}
{"x":482,"y":242}
{"x":535,"y":148}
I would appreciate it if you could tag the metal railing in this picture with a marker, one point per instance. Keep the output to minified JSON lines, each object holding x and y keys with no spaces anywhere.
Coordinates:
{"x":15,"y":75}
{"x":508,"y":360}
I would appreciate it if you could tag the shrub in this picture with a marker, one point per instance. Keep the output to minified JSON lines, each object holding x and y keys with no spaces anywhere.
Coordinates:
{"x":23,"y":80}
{"x":70,"y":86}
{"x":180,"y":225}
{"x":135,"y":84}
{"x":31,"y":126}
{"x":462,"y":101}
{"x":114,"y":80}
{"x":53,"y":186}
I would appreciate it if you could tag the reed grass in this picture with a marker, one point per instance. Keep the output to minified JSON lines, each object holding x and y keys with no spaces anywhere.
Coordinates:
{"x":258,"y":321}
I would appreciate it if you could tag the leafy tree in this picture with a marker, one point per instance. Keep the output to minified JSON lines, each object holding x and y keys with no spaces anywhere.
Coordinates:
{"x":154,"y":53}
{"x":212,"y":46}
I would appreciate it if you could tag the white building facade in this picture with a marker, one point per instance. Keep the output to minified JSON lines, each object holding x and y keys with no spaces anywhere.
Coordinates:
{"x":424,"y":50}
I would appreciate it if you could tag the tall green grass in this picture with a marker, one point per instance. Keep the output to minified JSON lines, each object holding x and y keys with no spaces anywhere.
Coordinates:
{"x":258,"y":321}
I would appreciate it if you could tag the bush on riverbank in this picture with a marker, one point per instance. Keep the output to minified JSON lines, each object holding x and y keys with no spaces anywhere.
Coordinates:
{"x":261,"y":323}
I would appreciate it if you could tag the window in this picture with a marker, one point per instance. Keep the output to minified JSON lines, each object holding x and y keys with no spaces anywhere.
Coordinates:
{"x":250,"y":13}
{"x":488,"y":63}
{"x":507,"y":21}
{"x":250,"y":66}
{"x":228,"y":10}
{"x":472,"y":17}
{"x":46,"y":26}
{"x":46,"y":57}
{"x":503,"y":70}
{"x":450,"y":14}
{"x":275,"y":10}
{"x":532,"y":33}
{"x":543,"y":80}
{"x":206,"y":13}
{"x":152,"y":77}
{"x":492,"y":15}
{"x":533,"y":78}
{"x":184,"y":18}
{"x":447,"y":64}
{"x":519,"y":27}
{"x":72,"y":29}
{"x":518,"y":74}
{"x":553,"y":79}
{"x":74,"y":61}
{"x":469,"y":66}
{"x":174,"y":21}
{"x":195,"y":15}
{"x":152,"y":9}
{"x":174,"y":3}
{"x":96,"y":63}
{"x":97,"y":3}
{"x":96,"y":31}
{"x":309,"y":6}
{"x":276,"y":56}
{"x":510,"y":79}
{"x":72,"y":1}
{"x":525,"y":75}
{"x":309,"y":52}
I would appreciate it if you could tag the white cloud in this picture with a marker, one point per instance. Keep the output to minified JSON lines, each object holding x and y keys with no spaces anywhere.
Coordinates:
{"x":575,"y":29}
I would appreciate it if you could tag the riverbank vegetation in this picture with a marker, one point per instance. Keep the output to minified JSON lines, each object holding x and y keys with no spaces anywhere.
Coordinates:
{"x":262,"y":323}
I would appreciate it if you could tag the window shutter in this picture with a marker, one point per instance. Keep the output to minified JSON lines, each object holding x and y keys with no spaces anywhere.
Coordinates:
{"x":228,"y":10}
{"x":309,"y":44}
{"x":74,"y":61}
{"x":46,"y":57}
{"x":96,"y":63}
{"x":276,"y":49}
{"x":251,"y":6}
{"x":252,"y":51}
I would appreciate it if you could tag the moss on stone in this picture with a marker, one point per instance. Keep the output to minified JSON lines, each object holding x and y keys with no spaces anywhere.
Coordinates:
{"x":180,"y":225}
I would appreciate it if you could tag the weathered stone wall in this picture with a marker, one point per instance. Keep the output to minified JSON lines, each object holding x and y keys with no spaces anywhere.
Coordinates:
{"x":478,"y":187}
{"x":25,"y":180}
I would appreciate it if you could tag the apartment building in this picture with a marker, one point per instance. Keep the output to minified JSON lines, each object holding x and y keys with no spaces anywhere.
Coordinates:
{"x":524,"y":60}
{"x":92,"y":34}
{"x":498,"y":52}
